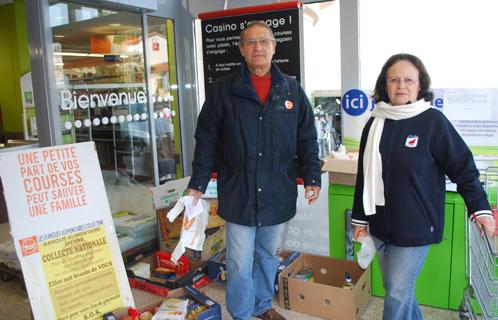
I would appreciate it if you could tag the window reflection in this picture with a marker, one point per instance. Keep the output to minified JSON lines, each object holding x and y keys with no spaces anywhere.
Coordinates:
{"x":164,"y":90}
{"x":99,"y":71}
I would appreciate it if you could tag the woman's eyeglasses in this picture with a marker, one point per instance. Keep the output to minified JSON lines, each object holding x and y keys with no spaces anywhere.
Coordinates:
{"x":398,"y":81}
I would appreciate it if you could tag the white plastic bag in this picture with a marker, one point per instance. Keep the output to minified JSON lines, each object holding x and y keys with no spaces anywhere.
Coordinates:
{"x":367,"y":251}
{"x":195,"y":221}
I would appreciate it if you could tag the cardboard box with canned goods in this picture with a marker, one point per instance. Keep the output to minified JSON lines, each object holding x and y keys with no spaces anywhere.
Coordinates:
{"x":215,"y":242}
{"x":210,"y":308}
{"x":198,"y":269}
{"x":324,"y":297}
{"x":217,"y":268}
{"x":165,"y":197}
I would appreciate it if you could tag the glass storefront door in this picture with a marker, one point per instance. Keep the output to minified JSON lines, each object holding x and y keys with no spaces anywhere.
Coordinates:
{"x":164,"y":88}
{"x":101,"y":89}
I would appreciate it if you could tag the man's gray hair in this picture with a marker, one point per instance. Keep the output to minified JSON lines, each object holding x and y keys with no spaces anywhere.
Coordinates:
{"x":252,"y":24}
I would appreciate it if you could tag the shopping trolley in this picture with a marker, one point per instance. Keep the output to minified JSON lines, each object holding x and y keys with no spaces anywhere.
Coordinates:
{"x":482,"y":264}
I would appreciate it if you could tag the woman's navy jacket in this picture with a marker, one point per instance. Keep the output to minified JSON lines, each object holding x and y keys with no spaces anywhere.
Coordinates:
{"x":417,"y":153}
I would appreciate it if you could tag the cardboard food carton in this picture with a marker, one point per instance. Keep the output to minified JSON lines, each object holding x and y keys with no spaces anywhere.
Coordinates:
{"x":173,"y":229}
{"x":164,"y":199}
{"x":325,"y":297}
{"x":215,"y":242}
{"x":198,"y":269}
{"x":341,"y":171}
{"x":212,"y":308}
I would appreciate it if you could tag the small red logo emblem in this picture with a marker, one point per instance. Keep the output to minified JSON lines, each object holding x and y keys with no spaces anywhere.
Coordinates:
{"x":289,"y":105}
{"x":28,"y":246}
{"x":411,"y":141}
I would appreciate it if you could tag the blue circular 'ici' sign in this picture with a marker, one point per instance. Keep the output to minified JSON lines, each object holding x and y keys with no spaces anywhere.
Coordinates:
{"x":354,"y":102}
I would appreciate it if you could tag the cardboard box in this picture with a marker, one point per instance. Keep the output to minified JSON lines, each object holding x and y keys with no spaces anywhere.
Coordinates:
{"x":167,"y":194}
{"x":213,"y":310}
{"x":217,"y":268}
{"x":215,"y":242}
{"x":198,"y":269}
{"x":325,"y":297}
{"x":341,"y":171}
{"x":172,"y":229}
{"x":138,"y":253}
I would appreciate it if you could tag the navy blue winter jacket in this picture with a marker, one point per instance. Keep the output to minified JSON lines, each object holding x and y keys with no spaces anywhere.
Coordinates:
{"x":414,"y":179}
{"x":254,"y":148}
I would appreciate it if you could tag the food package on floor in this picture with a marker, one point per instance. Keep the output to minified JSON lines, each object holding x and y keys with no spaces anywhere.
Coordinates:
{"x":141,"y":269}
{"x":133,"y":224}
{"x":199,"y":306}
{"x":165,"y":274}
{"x":172,"y":309}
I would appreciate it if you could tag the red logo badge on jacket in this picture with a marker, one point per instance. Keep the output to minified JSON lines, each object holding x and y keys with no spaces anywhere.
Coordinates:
{"x":288,"y":104}
{"x":411,"y":141}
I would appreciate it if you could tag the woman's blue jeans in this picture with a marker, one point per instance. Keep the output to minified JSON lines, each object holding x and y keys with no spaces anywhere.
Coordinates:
{"x":251,"y":268}
{"x":400,"y":268}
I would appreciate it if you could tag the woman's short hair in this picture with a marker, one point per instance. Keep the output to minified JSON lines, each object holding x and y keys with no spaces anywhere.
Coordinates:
{"x":380,"y":92}
{"x":253,"y":24}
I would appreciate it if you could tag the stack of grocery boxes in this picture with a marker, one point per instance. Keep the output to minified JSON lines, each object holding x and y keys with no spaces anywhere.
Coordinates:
{"x":165,"y":197}
{"x":137,"y":234}
{"x":156,"y":272}
{"x":182,"y":303}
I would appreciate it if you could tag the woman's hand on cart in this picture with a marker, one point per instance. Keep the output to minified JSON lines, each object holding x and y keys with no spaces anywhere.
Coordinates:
{"x":486,"y":223}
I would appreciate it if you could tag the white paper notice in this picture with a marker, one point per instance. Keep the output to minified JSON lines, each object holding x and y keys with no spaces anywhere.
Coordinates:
{"x":63,"y":232}
{"x":468,"y":104}
{"x":474,"y":114}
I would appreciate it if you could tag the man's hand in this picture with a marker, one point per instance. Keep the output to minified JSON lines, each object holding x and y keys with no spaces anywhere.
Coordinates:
{"x":311,"y":193}
{"x":194,"y":193}
{"x":486,"y":224}
{"x":359,"y":232}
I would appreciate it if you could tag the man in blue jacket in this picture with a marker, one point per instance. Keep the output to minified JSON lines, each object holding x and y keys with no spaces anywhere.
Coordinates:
{"x":254,"y":126}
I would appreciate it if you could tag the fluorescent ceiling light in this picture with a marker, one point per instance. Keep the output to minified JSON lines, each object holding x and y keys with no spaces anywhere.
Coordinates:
{"x":78,"y":54}
{"x":71,"y":54}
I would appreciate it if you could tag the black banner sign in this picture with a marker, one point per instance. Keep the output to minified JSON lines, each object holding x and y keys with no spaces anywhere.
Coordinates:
{"x":220,"y":40}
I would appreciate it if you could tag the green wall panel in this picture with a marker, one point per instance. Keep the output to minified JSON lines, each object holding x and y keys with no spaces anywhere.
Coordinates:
{"x":14,"y":57}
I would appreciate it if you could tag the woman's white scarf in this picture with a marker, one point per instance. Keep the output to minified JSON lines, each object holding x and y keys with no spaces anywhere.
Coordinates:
{"x":373,"y":185}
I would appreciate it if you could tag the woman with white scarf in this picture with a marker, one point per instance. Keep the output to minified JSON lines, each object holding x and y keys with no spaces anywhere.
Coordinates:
{"x":406,"y":150}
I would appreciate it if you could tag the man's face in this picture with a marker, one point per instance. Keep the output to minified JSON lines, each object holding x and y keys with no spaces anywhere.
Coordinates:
{"x":258,"y":48}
